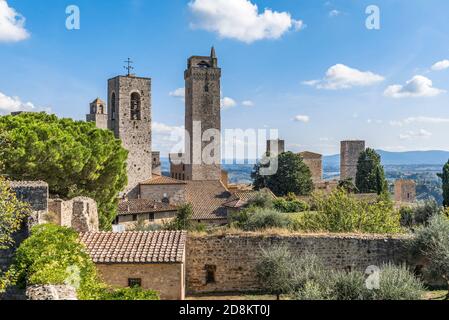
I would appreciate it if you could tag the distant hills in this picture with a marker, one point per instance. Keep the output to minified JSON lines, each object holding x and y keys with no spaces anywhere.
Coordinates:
{"x":401,"y":158}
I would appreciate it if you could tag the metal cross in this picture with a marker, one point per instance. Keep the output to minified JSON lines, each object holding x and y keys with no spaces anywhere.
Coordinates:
{"x":128,"y":67}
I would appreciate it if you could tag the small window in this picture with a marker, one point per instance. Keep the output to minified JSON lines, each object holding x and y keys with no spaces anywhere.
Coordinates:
{"x":135,"y":106}
{"x":113,"y":108}
{"x":151,"y":217}
{"x":210,"y":273}
{"x":134,"y":217}
{"x":134,"y":282}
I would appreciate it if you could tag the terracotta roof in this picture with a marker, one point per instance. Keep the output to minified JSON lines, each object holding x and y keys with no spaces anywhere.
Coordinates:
{"x":207,"y":199}
{"x":143,"y":206}
{"x":136,"y":247}
{"x":161,"y":180}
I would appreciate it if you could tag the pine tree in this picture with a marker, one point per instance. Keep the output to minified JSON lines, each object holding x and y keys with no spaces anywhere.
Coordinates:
{"x":370,"y":173}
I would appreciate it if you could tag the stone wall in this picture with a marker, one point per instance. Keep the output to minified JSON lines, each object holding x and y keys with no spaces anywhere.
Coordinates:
{"x":80,"y":213}
{"x":231,"y":259}
{"x":166,"y":278}
{"x":51,"y":292}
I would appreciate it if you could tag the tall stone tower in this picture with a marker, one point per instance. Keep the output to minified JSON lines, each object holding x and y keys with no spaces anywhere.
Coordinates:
{"x":98,"y":114}
{"x":203,"y":113}
{"x":349,"y":157}
{"x":129,"y":108}
{"x":405,"y":191}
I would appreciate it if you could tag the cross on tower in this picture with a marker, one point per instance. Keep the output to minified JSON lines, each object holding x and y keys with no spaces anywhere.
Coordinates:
{"x":128,"y":67}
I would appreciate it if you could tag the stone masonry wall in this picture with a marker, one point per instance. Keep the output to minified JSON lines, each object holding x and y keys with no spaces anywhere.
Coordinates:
{"x":80,"y":213}
{"x":349,"y":157}
{"x":175,"y":192}
{"x":233,"y":258}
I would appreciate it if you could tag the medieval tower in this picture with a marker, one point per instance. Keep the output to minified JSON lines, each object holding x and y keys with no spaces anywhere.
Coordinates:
{"x":203,"y":118}
{"x":129,"y":117}
{"x":349,"y":158}
{"x":98,"y":114}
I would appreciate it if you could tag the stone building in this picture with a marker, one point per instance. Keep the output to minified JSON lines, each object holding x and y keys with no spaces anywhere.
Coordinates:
{"x":275,"y":147}
{"x":80,"y":213}
{"x":150,"y":260}
{"x":149,"y":212}
{"x":349,"y":157}
{"x":315,"y":163}
{"x":202,"y":119}
{"x":129,"y":112}
{"x":156,"y":165}
{"x":405,"y":191}
{"x":164,"y":189}
{"x":98,"y":114}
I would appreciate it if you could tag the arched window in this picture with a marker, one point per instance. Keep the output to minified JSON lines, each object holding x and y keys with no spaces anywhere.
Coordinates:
{"x":113,"y":109}
{"x":135,"y":106}
{"x":100,"y":109}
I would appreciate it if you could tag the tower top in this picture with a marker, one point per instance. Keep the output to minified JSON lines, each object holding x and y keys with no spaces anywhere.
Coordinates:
{"x":128,"y":67}
{"x":213,"y":55}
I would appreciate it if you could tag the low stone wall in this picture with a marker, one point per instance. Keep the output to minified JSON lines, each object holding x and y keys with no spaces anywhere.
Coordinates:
{"x":226,"y":263}
{"x":51,"y":292}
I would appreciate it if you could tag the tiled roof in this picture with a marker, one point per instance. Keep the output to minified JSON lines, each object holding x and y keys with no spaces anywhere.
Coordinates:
{"x":161,"y":180}
{"x":143,"y":206}
{"x":136,"y":247}
{"x":207,"y":199}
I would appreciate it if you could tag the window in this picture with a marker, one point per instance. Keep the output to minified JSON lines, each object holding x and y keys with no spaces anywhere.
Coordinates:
{"x":151,"y":217}
{"x":134,"y":282}
{"x":135,"y":106}
{"x":101,"y":109}
{"x":134,"y":217}
{"x":113,"y":109}
{"x":210,"y":273}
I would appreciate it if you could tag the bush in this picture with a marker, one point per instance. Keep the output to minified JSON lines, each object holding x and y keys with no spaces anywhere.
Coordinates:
{"x":342,"y":212}
{"x":348,"y":286}
{"x":183,"y":219}
{"x":432,"y":242}
{"x":253,"y":219}
{"x":262,"y":199}
{"x":425,"y":211}
{"x":290,"y":205}
{"x":397,"y":283}
{"x":123,"y":294}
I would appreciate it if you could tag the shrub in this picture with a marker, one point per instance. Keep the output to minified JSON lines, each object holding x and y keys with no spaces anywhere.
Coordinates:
{"x":407,"y":217}
{"x":275,"y":270}
{"x":262,"y":199}
{"x":134,"y":293}
{"x":253,"y":219}
{"x":342,"y":212}
{"x":432,"y":242}
{"x":348,"y":286}
{"x":183,"y":219}
{"x":425,"y":211}
{"x":397,"y":283}
{"x":290,"y":205}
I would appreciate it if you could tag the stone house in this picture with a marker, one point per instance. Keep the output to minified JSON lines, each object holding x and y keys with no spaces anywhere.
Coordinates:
{"x":150,"y":212}
{"x":163,"y":189}
{"x":150,"y":260}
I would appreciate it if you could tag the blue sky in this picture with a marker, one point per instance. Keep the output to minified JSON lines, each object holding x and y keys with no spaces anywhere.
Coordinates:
{"x":309,"y":68}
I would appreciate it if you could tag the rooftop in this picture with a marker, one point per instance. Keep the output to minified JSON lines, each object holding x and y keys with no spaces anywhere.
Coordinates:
{"x":161,"y":180}
{"x":136,"y":247}
{"x":207,"y":199}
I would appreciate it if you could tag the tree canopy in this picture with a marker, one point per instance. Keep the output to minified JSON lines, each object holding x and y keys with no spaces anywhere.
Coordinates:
{"x":370,"y":173}
{"x":445,"y":178}
{"x":75,"y":158}
{"x":292,"y":176}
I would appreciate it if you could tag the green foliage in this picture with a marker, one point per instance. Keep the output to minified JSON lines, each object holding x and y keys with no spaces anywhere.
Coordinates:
{"x":12,"y":214}
{"x":348,"y":185}
{"x":342,"y":212}
{"x":445,"y":178}
{"x":253,"y":219}
{"x":275,"y":270}
{"x":134,"y":293}
{"x":432,"y":242}
{"x":292,"y":176}
{"x":397,"y":283}
{"x":73,"y":157}
{"x":290,"y":205}
{"x":183,"y":221}
{"x":407,"y":217}
{"x":348,"y":286}
{"x":262,"y":199}
{"x":370,"y":173}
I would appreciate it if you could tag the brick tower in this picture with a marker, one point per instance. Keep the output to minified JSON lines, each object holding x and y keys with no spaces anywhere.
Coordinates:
{"x":203,"y":113}
{"x":129,"y":108}
{"x":98,"y":114}
{"x":349,"y":157}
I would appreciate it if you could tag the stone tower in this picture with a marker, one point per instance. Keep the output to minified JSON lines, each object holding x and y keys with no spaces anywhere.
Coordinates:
{"x":315,"y":163}
{"x":349,"y":157}
{"x":98,"y":114}
{"x":129,"y":111}
{"x":203,"y":118}
{"x":405,"y":191}
{"x":276,"y":147}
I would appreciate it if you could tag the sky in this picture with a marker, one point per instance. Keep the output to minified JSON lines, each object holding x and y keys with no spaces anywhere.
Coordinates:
{"x":311,"y":69}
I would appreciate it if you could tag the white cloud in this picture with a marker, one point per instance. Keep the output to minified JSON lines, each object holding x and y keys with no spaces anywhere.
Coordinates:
{"x":12,"y":24}
{"x":227,"y":103}
{"x":168,"y":139}
{"x":178,"y":93}
{"x":415,"y":134}
{"x":418,"y":86}
{"x":14,"y":104}
{"x":247,"y":103}
{"x":340,"y":76}
{"x":241,"y":20}
{"x":334,"y":13}
{"x":302,"y":118}
{"x":441,"y":65}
